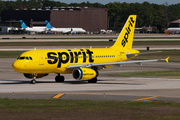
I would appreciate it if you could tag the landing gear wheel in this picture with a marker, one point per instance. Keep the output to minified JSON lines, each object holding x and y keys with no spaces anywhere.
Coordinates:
{"x":33,"y":81}
{"x":94,"y":80}
{"x":59,"y":78}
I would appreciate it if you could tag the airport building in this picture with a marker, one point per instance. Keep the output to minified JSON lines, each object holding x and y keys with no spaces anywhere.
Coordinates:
{"x":90,"y":19}
{"x":174,"y":24}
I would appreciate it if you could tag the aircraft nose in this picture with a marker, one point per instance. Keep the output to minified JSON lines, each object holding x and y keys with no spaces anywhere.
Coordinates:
{"x":16,"y":66}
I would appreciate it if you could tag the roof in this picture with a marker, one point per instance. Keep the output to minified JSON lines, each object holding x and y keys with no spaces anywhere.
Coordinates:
{"x":176,"y":21}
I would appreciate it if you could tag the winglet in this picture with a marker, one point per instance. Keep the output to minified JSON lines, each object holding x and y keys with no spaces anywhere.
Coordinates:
{"x":167,"y":59}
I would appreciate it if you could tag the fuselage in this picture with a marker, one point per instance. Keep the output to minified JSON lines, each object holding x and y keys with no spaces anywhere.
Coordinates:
{"x":57,"y":60}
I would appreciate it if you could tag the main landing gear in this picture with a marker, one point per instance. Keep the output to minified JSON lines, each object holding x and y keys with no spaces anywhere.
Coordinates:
{"x":59,"y":78}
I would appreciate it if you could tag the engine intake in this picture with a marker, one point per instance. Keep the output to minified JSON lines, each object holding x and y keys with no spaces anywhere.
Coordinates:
{"x":84,"y":73}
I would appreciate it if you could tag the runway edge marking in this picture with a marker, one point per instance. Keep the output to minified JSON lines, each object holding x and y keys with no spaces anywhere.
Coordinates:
{"x":146,"y":98}
{"x":58,"y":95}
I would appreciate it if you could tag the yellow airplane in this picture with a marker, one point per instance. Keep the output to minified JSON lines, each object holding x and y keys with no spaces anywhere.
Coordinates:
{"x":84,"y":63}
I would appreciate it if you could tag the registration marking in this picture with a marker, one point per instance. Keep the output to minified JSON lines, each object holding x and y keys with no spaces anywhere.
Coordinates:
{"x":58,"y":95}
{"x":146,"y":98}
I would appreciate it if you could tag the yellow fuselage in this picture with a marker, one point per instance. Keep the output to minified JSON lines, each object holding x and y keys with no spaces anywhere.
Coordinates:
{"x":57,"y":60}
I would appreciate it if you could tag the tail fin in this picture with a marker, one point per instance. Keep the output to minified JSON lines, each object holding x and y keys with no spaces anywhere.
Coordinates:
{"x":23,"y":25}
{"x":48,"y":25}
{"x":125,"y":39}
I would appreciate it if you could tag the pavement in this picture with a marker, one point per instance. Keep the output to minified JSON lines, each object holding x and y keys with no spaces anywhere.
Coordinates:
{"x":14,"y":85}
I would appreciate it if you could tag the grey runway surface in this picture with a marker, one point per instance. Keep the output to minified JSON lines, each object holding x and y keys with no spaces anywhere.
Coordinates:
{"x":15,"y":85}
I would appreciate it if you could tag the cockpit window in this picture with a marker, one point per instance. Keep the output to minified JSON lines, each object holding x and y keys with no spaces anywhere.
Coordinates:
{"x":18,"y":58}
{"x":27,"y":58}
{"x":30,"y":58}
{"x":24,"y":58}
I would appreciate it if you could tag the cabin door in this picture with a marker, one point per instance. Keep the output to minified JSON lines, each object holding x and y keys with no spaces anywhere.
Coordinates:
{"x":41,"y":60}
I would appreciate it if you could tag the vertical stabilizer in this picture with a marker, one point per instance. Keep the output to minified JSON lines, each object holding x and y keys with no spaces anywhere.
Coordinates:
{"x":48,"y":25}
{"x":23,"y":25}
{"x":125,"y":39}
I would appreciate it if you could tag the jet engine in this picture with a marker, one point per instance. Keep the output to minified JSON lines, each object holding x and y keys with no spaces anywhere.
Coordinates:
{"x":34,"y":75}
{"x":84,"y":73}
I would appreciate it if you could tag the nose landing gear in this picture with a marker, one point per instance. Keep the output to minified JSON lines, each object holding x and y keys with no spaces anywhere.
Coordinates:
{"x":33,"y":81}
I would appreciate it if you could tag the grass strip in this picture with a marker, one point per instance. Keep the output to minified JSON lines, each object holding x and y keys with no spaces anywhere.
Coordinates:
{"x":60,"y":43}
{"x":86,"y":43}
{"x":148,"y":74}
{"x":85,"y":109}
{"x":10,"y":54}
{"x":106,"y":37}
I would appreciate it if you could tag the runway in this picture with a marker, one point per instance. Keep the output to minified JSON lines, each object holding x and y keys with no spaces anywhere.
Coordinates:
{"x":15,"y":85}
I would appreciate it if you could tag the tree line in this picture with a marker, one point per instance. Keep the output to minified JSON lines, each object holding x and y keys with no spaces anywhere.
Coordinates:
{"x":147,"y":14}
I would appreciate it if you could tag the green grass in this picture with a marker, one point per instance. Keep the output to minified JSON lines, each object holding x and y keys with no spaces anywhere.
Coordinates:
{"x":148,"y":74}
{"x":85,"y":109}
{"x":64,"y":43}
{"x":147,"y":43}
{"x":107,"y":37}
{"x":10,"y":54}
{"x":86,"y":43}
{"x":156,"y":37}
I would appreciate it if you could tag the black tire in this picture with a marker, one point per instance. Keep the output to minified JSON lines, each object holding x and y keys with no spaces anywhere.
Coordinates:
{"x":59,"y":78}
{"x":33,"y":81}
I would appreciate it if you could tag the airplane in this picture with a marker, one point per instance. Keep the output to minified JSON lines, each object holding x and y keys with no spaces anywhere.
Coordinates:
{"x":33,"y":29}
{"x":172,"y":30}
{"x":78,"y":30}
{"x":64,"y":30}
{"x":83,"y":63}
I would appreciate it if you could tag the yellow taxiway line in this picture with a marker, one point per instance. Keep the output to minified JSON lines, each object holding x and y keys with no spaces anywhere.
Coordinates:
{"x":146,"y":98}
{"x":58,"y":95}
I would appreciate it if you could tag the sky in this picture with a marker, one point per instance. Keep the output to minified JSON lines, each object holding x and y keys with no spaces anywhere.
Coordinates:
{"x":170,"y":2}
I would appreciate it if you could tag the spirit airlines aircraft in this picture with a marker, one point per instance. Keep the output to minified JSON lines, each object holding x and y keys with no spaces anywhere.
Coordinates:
{"x":63,"y":30}
{"x":33,"y":29}
{"x":84,"y":63}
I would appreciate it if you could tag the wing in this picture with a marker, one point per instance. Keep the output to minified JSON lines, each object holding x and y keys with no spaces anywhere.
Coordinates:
{"x":103,"y":65}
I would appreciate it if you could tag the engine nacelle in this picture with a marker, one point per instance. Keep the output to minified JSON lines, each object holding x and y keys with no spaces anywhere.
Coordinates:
{"x":84,"y":73}
{"x":36,"y":75}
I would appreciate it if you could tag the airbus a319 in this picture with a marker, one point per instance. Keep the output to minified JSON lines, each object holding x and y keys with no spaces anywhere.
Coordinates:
{"x":84,"y":63}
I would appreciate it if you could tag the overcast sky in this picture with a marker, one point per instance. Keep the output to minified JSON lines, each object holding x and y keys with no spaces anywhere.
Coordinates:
{"x":128,"y":1}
